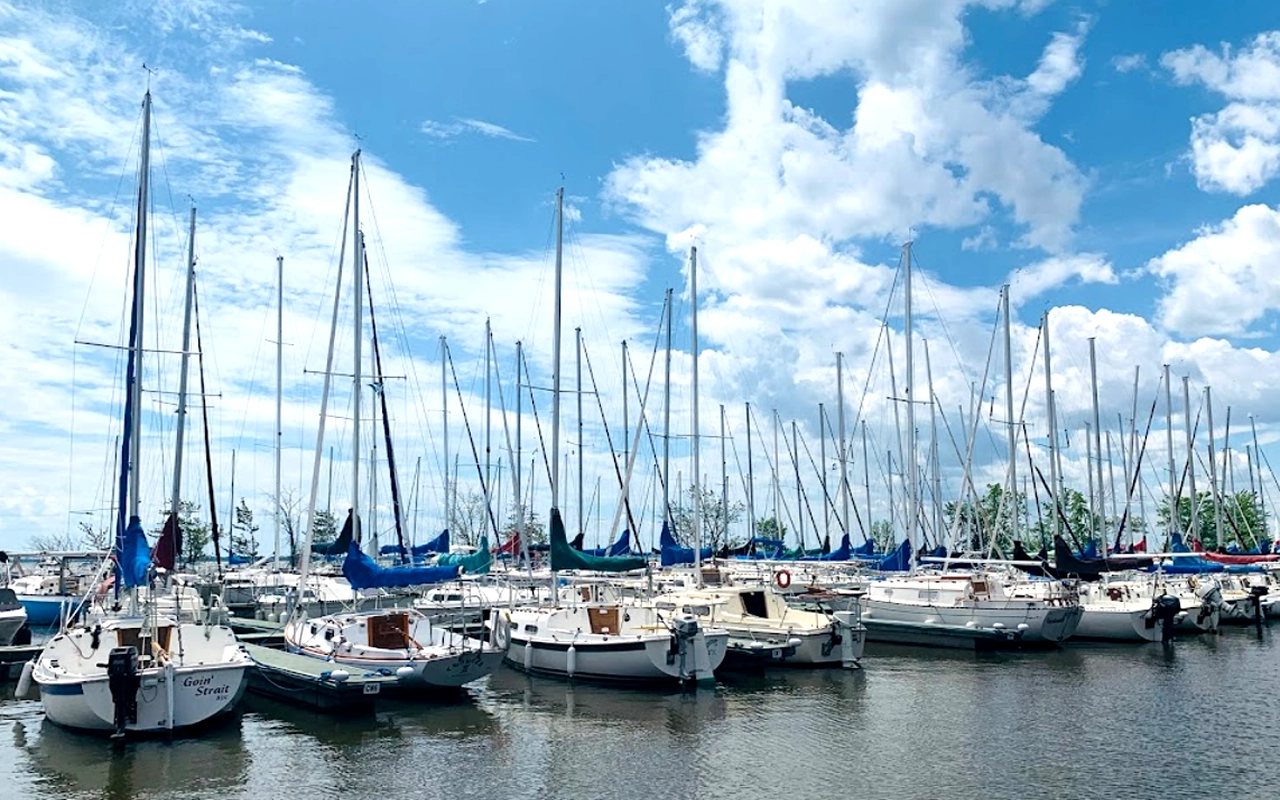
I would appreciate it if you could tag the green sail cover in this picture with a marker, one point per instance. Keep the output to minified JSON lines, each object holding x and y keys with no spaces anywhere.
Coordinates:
{"x":565,"y":557}
{"x":476,"y":563}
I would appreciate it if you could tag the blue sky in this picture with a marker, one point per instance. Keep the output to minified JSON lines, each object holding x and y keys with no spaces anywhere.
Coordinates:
{"x":1116,"y":163}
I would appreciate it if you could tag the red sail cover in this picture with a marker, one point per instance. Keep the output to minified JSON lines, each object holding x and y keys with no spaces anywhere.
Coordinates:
{"x":1231,"y":558}
{"x":511,"y":547}
{"x":165,"y":553}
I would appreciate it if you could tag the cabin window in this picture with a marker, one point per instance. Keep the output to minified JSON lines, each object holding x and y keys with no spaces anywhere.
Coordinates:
{"x":530,"y":628}
{"x":754,"y":605}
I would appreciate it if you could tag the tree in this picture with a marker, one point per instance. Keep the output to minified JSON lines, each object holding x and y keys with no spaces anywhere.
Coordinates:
{"x":990,"y":519}
{"x":534,"y":530}
{"x":54,"y":542}
{"x":468,"y":518}
{"x":324,"y":530}
{"x":883,"y":534}
{"x":93,"y":538}
{"x":1243,"y":520}
{"x":770,"y":528}
{"x":290,"y":509}
{"x":715,"y":518}
{"x":244,"y":542}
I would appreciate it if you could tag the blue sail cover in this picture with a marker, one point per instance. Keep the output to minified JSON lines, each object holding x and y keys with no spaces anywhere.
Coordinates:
{"x":135,"y":555}
{"x":440,"y":544}
{"x":362,"y":572}
{"x":842,"y":553}
{"x":897,"y":561}
{"x":476,"y":563}
{"x":622,"y":547}
{"x":335,"y":548}
{"x":865,"y":550}
{"x":673,"y":554}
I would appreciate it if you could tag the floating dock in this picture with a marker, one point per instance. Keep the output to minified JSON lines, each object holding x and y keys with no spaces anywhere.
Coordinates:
{"x":257,"y":631}
{"x":312,"y":683}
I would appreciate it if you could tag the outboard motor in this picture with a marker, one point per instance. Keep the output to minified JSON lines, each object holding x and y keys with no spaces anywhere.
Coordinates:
{"x":1256,"y":593}
{"x":1164,"y":610}
{"x":124,"y":681}
{"x":684,"y":629}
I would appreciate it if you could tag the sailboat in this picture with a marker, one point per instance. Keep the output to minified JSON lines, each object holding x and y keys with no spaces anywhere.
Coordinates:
{"x":593,"y":637}
{"x":403,"y":642}
{"x":136,"y":670}
{"x":962,"y":609}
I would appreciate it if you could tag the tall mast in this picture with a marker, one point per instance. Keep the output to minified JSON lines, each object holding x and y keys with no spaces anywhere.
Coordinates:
{"x":724,"y":480}
{"x":174,"y":498}
{"x":1008,"y":411}
{"x":555,"y":356}
{"x":357,"y":258}
{"x":279,"y":394}
{"x":139,"y":315}
{"x":444,"y":413}
{"x":1191,"y":452}
{"x":866,"y":481}
{"x":626,"y":433}
{"x":1175,"y":490}
{"x":1097,"y":427}
{"x":822,"y":459}
{"x":1257,"y":456}
{"x":666,"y":420}
{"x":841,"y":451}
{"x":934,"y":461}
{"x":1053,"y":431}
{"x":795,"y":443}
{"x":1213,"y":469}
{"x":488,"y":419}
{"x":697,"y":447}
{"x":577,"y":344}
{"x":751,"y":480}
{"x":913,"y":488}
{"x":518,"y":467}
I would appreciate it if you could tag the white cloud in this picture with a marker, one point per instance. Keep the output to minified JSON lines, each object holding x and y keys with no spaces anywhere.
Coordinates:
{"x":1224,"y":280}
{"x":1129,"y":62}
{"x":1237,"y":149}
{"x":1053,"y":272}
{"x":458,"y":127}
{"x":1060,"y":64}
{"x":703,"y":45}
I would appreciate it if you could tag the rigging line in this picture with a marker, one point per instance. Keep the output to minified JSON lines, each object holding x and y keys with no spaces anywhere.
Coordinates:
{"x":830,"y":501}
{"x":424,"y":418}
{"x":472,"y":441}
{"x":613,"y":454}
{"x":643,"y":412}
{"x":537,"y":425}
{"x":1031,"y":466}
{"x":1137,"y":467}
{"x":208,"y":456}
{"x":881,"y":336}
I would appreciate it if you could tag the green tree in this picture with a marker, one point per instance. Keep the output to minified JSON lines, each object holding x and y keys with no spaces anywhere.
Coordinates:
{"x":468,"y":518}
{"x":193,"y":530}
{"x":244,"y":541}
{"x":990,"y":519}
{"x":533,"y":527}
{"x":1243,"y":520}
{"x":324,"y":531}
{"x":715,"y":518}
{"x":883,"y":535}
{"x":771,"y":528}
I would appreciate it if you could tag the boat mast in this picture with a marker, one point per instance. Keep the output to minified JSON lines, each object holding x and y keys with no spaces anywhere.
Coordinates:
{"x":358,"y":284}
{"x":488,"y":419}
{"x":751,"y":480}
{"x":666,"y":420}
{"x":1008,"y":410}
{"x":577,"y":344}
{"x":696,"y":483}
{"x":1262,"y":503}
{"x":1191,"y":452}
{"x":555,"y":356}
{"x":841,"y":449}
{"x":518,"y":467}
{"x":909,"y":464}
{"x":279,"y":394}
{"x":866,"y":481}
{"x":174,"y":498}
{"x":444,"y":413}
{"x":139,"y":315}
{"x":1213,"y":469}
{"x":1097,"y":428}
{"x":934,"y":460}
{"x":822,"y":459}
{"x":1053,"y":431}
{"x":1175,"y":487}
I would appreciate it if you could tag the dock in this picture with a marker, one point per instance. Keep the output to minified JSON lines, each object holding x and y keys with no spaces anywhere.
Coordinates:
{"x":257,"y":631}
{"x":309,"y":682}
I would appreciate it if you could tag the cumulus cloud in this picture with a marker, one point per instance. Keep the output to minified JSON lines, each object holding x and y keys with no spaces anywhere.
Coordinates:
{"x":1236,"y":149}
{"x":1224,"y":280}
{"x":458,"y":127}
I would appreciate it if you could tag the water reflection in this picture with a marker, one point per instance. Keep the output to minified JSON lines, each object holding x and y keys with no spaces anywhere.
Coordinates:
{"x":80,"y":766}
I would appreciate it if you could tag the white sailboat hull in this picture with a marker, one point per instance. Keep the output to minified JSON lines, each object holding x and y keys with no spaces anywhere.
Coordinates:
{"x":647,"y":659}
{"x":11,"y":621}
{"x":1118,"y":623}
{"x":201,"y":694}
{"x":1001,"y":622}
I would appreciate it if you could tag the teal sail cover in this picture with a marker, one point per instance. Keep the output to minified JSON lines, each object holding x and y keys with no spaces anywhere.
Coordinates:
{"x":565,"y":557}
{"x":476,"y":563}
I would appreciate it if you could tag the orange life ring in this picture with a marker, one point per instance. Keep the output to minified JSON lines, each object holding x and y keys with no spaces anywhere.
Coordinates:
{"x":782,"y":578}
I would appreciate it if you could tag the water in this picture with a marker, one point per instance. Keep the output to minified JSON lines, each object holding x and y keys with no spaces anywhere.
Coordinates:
{"x":1195,"y":721}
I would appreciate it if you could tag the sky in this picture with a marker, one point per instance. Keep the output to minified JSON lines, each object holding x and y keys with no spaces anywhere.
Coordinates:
{"x":1115,"y":164}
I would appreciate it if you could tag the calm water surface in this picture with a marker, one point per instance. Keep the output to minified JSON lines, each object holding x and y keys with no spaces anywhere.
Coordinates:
{"x":1199,"y":720}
